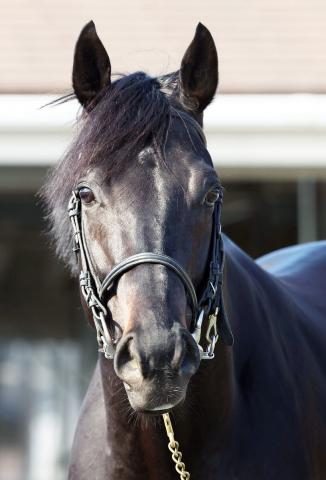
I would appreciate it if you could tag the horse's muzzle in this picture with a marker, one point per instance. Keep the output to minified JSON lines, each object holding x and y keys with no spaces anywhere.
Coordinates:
{"x":156,"y":369}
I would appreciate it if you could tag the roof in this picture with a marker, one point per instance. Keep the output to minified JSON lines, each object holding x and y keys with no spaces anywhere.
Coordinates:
{"x":263,"y":46}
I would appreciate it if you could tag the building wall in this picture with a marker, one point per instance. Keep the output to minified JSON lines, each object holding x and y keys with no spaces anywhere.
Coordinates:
{"x":263,"y":46}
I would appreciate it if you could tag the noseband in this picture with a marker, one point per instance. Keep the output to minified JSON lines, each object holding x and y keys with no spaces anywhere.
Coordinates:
{"x":209,"y":306}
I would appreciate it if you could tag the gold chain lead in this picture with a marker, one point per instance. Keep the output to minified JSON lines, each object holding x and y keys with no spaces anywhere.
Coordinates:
{"x":174,"y":449}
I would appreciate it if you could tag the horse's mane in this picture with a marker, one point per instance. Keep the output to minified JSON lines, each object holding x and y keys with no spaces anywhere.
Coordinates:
{"x":133,"y":111}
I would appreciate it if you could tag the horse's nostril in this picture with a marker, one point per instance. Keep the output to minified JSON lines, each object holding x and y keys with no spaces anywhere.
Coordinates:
{"x":123,"y":354}
{"x":190,"y":358}
{"x":126,"y":362}
{"x":179,"y":352}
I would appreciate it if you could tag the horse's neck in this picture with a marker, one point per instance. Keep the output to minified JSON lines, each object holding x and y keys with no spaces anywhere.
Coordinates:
{"x":261,"y":313}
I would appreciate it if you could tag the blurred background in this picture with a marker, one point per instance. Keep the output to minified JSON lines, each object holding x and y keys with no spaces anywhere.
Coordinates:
{"x":266,"y":133}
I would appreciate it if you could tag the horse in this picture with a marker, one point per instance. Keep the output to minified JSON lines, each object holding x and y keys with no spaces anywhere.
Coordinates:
{"x":187,"y":323}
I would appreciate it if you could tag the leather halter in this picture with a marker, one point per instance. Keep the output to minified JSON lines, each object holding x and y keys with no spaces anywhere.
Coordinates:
{"x":210,"y":305}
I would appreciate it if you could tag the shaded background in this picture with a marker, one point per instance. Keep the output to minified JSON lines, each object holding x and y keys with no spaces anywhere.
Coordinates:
{"x":266,"y":132}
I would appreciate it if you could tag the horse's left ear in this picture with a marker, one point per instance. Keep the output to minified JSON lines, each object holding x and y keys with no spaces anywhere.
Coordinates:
{"x":199,"y":71}
{"x":92,"y":68}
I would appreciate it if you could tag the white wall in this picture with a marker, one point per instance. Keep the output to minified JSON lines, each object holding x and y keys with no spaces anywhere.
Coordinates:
{"x":249,"y":136}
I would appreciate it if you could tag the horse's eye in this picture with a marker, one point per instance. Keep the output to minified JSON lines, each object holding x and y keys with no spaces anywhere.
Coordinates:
{"x":211,"y":198}
{"x":86,"y":195}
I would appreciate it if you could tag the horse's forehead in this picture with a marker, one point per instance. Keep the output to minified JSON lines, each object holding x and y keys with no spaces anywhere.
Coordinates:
{"x":182,"y":157}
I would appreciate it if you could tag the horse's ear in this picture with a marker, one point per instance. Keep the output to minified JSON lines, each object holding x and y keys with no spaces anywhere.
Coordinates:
{"x":199,"y":71}
{"x":92,"y":69}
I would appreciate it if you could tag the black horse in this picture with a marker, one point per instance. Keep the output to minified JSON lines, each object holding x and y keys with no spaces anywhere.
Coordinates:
{"x":140,"y":180}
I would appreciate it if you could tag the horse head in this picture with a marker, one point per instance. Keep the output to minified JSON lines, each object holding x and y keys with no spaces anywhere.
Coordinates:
{"x":144,"y":182}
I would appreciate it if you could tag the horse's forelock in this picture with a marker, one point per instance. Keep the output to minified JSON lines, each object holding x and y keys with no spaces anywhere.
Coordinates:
{"x":131,"y":112}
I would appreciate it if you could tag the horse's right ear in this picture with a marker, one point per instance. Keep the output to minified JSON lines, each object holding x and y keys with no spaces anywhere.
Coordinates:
{"x":92,"y":68}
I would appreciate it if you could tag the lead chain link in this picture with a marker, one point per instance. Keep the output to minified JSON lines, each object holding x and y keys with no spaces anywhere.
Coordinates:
{"x":173,"y":446}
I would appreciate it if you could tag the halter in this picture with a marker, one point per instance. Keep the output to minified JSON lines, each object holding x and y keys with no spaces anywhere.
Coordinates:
{"x":210,"y":305}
